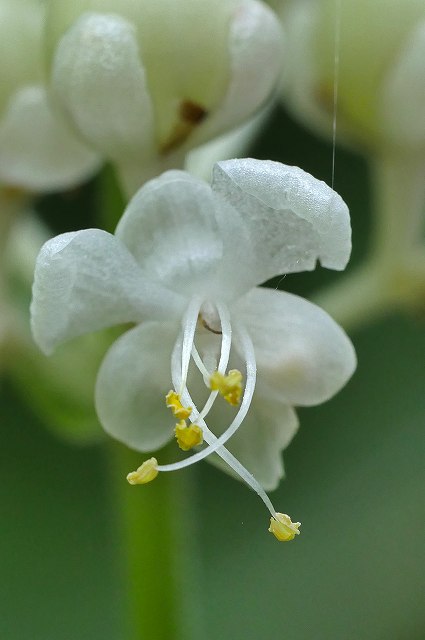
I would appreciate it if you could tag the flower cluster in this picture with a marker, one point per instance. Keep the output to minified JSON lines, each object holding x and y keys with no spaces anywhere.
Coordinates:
{"x":184,"y":266}
{"x":144,"y":88}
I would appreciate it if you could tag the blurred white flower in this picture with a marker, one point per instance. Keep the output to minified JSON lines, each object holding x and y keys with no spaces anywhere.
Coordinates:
{"x":381,"y":75}
{"x":38,"y":150}
{"x":145,"y":82}
{"x":184,"y":265}
{"x":357,"y":75}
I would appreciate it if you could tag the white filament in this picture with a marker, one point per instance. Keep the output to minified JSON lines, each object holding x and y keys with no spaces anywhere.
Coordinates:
{"x":240,"y":416}
{"x":216,"y":444}
{"x":189,"y":328}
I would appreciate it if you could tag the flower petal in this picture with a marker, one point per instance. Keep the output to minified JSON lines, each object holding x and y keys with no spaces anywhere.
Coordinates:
{"x":301,"y":78}
{"x":303,"y":356}
{"x":39,"y":152}
{"x":131,"y":386}
{"x":402,"y":96}
{"x":99,"y":79}
{"x":186,"y":237}
{"x":293,"y":219}
{"x":255,"y":44}
{"x":85,"y":281}
{"x":268,"y":429}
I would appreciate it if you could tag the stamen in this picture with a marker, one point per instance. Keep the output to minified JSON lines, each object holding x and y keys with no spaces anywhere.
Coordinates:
{"x":188,"y":436}
{"x":201,"y":367}
{"x":189,"y":323}
{"x":173,"y":402}
{"x":230,"y":386}
{"x":179,"y":376}
{"x":216,"y":444}
{"x":282,"y":527}
{"x":145,"y":473}
{"x":235,"y":424}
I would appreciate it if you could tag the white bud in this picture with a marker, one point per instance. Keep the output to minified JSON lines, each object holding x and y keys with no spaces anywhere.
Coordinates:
{"x":145,"y":82}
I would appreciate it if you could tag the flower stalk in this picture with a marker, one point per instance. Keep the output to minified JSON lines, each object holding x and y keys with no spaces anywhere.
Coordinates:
{"x":155,"y":525}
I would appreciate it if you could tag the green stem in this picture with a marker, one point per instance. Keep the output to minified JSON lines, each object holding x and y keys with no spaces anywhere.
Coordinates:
{"x":159,"y":544}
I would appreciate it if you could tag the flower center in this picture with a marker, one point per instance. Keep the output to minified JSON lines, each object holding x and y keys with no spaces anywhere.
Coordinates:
{"x":229,"y":386}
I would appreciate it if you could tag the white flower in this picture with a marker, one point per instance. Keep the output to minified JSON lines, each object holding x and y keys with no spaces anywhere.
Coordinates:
{"x":145,"y":82}
{"x":183,"y":266}
{"x":368,"y":55}
{"x":38,"y":150}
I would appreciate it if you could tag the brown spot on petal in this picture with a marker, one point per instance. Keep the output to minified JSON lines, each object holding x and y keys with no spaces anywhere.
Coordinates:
{"x":190,"y":116}
{"x":191,"y":112}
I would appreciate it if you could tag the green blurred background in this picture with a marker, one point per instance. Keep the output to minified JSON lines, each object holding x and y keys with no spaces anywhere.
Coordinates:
{"x":355,"y":478}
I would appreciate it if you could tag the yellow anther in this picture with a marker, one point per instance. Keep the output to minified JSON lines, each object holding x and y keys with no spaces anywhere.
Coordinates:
{"x":174,"y":403}
{"x":282,"y":527}
{"x":188,"y":436}
{"x":230,"y":386}
{"x":145,"y":473}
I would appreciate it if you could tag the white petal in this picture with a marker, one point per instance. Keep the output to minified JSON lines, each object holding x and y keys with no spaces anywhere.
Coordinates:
{"x":293,"y":219}
{"x":303,"y":356}
{"x":301,"y":77}
{"x":184,"y":236}
{"x":132,"y":383}
{"x":85,"y":281}
{"x":255,"y":46}
{"x":402,"y":98}
{"x":99,"y":79}
{"x":38,"y":151}
{"x":268,"y":429}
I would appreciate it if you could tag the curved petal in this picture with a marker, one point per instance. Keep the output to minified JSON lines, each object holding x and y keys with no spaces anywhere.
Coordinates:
{"x":132,"y":383}
{"x":185,"y":237}
{"x":402,"y":96}
{"x":300,"y":78}
{"x":38,"y":150}
{"x":85,"y":281}
{"x":255,"y":44}
{"x":268,"y":429}
{"x":303,"y":356}
{"x":99,"y":80}
{"x":293,"y":219}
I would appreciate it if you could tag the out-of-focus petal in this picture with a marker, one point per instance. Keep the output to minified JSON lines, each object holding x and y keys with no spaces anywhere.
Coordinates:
{"x":402,"y":97}
{"x":255,"y":46}
{"x":38,"y":151}
{"x":99,"y":79}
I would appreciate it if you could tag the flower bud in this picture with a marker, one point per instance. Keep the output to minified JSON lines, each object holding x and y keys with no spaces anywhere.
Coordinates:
{"x":373,"y":52}
{"x":144,"y":82}
{"x":38,"y":151}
